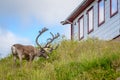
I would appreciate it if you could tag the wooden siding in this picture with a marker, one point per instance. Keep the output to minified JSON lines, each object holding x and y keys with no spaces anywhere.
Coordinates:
{"x":107,"y":31}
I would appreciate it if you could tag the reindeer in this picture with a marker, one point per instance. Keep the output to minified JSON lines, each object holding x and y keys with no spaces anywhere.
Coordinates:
{"x":29,"y":52}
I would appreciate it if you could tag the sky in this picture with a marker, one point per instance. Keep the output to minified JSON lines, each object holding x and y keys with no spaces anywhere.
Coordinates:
{"x":20,"y":21}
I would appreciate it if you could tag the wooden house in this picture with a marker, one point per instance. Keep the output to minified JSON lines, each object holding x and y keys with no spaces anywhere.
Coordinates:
{"x":95,"y":19}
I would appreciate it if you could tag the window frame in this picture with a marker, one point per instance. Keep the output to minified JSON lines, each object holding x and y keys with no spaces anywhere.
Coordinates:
{"x":91,"y":8}
{"x":72,"y":32}
{"x":102,"y":22}
{"x":82,"y":17}
{"x":113,"y":14}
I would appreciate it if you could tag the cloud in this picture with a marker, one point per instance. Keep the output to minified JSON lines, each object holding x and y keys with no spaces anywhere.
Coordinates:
{"x":46,"y":12}
{"x":49,"y":11}
{"x":7,"y":39}
{"x":67,"y":31}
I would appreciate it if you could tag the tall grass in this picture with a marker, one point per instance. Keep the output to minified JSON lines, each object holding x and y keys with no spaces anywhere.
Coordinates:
{"x":87,"y":60}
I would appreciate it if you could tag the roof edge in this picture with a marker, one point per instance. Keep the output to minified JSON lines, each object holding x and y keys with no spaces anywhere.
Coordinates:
{"x":75,"y":12}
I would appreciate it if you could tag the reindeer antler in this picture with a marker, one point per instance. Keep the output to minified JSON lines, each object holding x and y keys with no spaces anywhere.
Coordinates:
{"x":50,"y":40}
{"x":40,"y":32}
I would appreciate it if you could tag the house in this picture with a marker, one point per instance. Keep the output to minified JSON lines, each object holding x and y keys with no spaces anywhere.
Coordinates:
{"x":95,"y":19}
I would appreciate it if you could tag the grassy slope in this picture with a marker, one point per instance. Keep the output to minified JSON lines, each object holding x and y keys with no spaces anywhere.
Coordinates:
{"x":88,"y":60}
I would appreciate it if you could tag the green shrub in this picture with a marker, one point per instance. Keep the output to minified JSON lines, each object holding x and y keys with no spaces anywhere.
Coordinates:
{"x":87,"y":60}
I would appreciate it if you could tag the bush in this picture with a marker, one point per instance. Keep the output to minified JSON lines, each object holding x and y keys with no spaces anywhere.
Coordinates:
{"x":87,"y":60}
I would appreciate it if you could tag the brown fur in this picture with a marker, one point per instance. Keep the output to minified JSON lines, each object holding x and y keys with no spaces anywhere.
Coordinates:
{"x":27,"y":52}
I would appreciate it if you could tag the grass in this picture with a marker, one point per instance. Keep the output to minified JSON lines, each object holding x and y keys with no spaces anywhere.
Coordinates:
{"x":87,"y":60}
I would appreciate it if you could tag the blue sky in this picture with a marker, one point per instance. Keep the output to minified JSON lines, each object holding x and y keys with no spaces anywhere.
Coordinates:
{"x":20,"y":20}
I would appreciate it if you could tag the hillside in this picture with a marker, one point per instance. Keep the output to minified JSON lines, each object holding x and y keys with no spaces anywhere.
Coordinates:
{"x":87,"y":60}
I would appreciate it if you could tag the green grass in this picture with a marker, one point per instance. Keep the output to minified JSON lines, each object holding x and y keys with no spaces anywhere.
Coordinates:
{"x":73,"y":60}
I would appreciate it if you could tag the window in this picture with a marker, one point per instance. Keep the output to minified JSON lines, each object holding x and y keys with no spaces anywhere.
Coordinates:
{"x":81,"y":27}
{"x":101,"y":12}
{"x":113,"y":7}
{"x":90,"y":20}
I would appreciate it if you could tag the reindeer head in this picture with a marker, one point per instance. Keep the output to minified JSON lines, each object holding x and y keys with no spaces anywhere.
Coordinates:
{"x":47,"y":48}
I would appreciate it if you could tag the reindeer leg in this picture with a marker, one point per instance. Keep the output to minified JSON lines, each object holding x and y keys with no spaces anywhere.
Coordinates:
{"x":20,"y":57}
{"x":14,"y":60}
{"x":31,"y":58}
